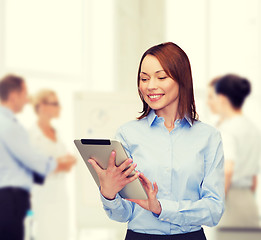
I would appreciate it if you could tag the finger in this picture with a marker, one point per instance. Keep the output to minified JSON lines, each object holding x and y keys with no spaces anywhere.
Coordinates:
{"x":132,"y":178}
{"x":112,"y":158}
{"x":146,"y":181}
{"x":145,"y":186}
{"x":142,"y":182}
{"x":156,"y":189}
{"x":130,"y":169}
{"x":95,"y":166}
{"x":125,"y":164}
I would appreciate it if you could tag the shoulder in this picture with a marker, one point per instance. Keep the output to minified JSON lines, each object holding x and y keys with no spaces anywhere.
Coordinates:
{"x":133,"y":125}
{"x":8,"y":125}
{"x":240,"y":127}
{"x":133,"y":130}
{"x":251,"y":127}
{"x":5,"y":121}
{"x":201,"y":135}
{"x":204,"y":128}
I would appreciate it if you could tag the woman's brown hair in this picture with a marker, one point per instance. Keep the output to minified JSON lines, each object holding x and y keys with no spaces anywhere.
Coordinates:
{"x":176,"y":64}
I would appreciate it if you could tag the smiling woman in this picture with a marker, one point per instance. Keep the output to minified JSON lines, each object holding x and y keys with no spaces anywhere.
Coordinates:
{"x":170,"y":66}
{"x":179,"y":159}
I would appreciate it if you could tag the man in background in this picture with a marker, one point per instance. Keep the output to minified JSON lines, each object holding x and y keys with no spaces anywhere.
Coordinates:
{"x":20,"y":163}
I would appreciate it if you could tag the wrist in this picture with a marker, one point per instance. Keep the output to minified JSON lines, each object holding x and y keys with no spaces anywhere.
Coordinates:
{"x":107,"y":196}
{"x":158,"y":210}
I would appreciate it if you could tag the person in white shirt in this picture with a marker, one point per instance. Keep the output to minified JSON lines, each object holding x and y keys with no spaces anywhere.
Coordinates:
{"x":51,"y":201}
{"x":241,"y":143}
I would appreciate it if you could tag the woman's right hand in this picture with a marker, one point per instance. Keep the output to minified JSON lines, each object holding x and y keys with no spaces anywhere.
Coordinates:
{"x":113,"y":179}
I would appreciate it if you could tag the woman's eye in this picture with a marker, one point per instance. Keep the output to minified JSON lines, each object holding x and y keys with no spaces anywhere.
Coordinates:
{"x":143,"y":79}
{"x":161,"y":78}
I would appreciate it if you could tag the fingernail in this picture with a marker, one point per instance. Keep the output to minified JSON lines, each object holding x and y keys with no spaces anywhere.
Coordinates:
{"x":130,"y":160}
{"x":113,"y":152}
{"x":135,"y":164}
{"x":89,"y":161}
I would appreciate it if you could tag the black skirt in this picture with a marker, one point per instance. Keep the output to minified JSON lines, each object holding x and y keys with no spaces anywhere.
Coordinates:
{"x":198,"y":235}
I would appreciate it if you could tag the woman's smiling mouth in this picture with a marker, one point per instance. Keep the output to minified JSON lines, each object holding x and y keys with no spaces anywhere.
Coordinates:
{"x":155,"y":97}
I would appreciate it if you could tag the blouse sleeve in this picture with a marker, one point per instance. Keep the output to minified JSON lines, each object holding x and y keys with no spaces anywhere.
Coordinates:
{"x":119,"y":209}
{"x":209,"y":208}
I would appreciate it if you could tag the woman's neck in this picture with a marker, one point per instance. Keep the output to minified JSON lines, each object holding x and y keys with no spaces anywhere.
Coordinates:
{"x":230,"y":113}
{"x":46,"y":127}
{"x":170,"y":115}
{"x":44,"y":122}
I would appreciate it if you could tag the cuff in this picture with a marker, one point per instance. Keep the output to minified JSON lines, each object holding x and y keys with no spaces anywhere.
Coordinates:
{"x":112,"y":204}
{"x":170,"y":212}
{"x":52,"y":165}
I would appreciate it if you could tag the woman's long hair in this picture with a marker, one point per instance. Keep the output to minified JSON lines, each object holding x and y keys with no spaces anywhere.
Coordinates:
{"x":177,"y":66}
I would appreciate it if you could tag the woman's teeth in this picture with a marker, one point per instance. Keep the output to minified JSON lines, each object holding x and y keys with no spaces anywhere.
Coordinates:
{"x":155,"y":96}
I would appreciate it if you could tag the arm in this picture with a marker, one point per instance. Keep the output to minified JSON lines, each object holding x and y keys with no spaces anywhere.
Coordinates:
{"x":229,"y":169}
{"x":112,"y":180}
{"x":118,"y":209}
{"x":229,"y":147}
{"x":17,"y":142}
{"x":254,"y":184}
{"x":209,"y":208}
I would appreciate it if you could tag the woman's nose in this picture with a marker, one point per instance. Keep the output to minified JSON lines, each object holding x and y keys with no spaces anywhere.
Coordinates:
{"x":152,"y":85}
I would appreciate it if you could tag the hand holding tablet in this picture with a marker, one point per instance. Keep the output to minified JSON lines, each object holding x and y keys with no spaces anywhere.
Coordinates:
{"x":114,"y":179}
{"x":111,"y":168}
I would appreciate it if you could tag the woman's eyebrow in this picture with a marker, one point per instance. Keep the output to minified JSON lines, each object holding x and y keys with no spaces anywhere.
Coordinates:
{"x":155,"y":72}
{"x":144,"y":73}
{"x":160,"y":71}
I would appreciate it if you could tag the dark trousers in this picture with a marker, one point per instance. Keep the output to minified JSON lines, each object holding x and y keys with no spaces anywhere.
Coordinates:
{"x":198,"y":235}
{"x":14,"y":203}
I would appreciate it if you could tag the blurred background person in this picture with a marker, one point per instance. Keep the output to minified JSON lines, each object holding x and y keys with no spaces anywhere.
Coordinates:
{"x":51,"y":201}
{"x":241,"y":140}
{"x":20,"y":161}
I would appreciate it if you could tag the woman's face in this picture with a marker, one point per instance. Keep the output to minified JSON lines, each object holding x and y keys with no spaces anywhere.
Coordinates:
{"x":51,"y":107}
{"x":212,"y":100}
{"x":159,"y":91}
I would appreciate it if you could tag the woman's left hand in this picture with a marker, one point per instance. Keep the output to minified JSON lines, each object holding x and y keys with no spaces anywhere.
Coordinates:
{"x":152,"y":204}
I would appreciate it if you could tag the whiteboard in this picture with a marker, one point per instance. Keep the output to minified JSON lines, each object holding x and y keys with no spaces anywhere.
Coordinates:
{"x":98,"y":115}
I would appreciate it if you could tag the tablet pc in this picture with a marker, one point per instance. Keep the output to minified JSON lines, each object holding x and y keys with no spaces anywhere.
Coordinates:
{"x":100,"y":150}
